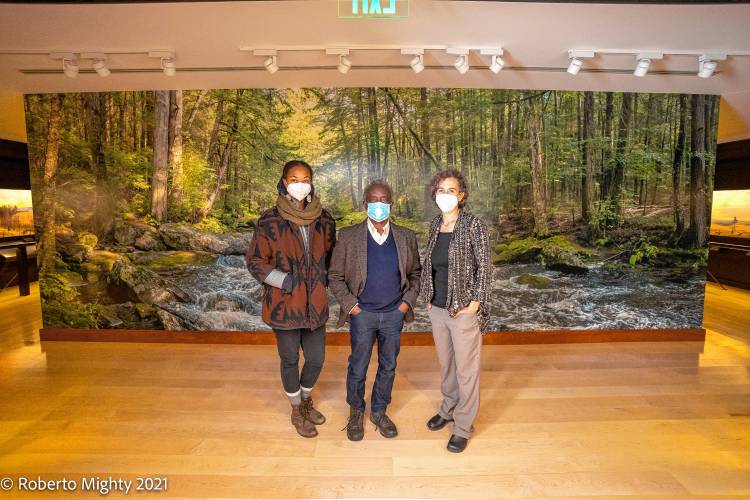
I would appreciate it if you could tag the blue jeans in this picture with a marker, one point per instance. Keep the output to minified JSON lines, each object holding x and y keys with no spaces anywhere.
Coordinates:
{"x":366,"y":327}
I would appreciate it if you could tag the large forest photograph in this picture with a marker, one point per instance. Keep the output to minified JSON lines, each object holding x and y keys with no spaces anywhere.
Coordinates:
{"x":598,"y":203}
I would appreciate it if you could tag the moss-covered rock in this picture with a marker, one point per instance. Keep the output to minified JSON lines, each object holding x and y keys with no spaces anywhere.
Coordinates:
{"x":556,"y":252}
{"x":534,"y":281}
{"x":144,"y":284}
{"x":158,"y":261}
{"x":186,"y":237}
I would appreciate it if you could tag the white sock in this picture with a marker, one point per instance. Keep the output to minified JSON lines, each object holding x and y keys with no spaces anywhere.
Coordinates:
{"x":306,"y":392}
{"x":294,"y":398}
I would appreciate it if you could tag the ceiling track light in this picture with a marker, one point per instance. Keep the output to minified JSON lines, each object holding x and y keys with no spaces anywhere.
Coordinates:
{"x":99,"y":62}
{"x":417,"y":62}
{"x":69,"y":63}
{"x":166,"y":59}
{"x":576,"y":58}
{"x":496,"y":58}
{"x":707,"y":64}
{"x":70,"y":67}
{"x":462,"y":58}
{"x":641,"y":68}
{"x":270,"y":62}
{"x":345,"y":64}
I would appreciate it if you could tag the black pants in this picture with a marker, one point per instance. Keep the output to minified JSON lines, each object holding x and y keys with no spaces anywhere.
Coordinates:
{"x":313,"y":343}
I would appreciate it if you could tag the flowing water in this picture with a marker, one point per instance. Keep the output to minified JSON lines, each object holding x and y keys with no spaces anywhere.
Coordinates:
{"x":224,"y":296}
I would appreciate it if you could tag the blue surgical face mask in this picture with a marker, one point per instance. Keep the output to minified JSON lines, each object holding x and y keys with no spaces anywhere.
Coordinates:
{"x":378,"y":211}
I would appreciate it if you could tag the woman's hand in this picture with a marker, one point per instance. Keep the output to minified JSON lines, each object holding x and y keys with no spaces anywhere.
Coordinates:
{"x":472,"y":308}
{"x":404,"y":307}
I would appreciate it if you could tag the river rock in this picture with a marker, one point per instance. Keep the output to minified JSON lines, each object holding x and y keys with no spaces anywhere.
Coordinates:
{"x":144,"y":283}
{"x":134,"y":233}
{"x":169,"y":321}
{"x":186,"y":237}
{"x":534,"y":281}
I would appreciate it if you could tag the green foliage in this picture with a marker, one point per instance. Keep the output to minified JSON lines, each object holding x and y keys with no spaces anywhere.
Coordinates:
{"x":62,"y":306}
{"x":214,"y":224}
{"x":642,"y":251}
{"x":88,"y":239}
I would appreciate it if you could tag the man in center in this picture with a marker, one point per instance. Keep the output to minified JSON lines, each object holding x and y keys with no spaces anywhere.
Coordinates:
{"x":374,"y":275}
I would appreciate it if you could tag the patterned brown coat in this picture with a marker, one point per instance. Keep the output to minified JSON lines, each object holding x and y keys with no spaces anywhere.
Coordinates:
{"x":277,"y":244}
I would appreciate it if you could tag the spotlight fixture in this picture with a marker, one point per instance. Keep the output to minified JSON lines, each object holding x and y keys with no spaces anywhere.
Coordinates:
{"x":270,"y":64}
{"x":417,"y":62}
{"x":345,"y":64}
{"x":707,"y":64}
{"x":496,"y":61}
{"x":575,"y":65}
{"x":69,"y":62}
{"x":166,"y":58}
{"x":168,"y":65}
{"x":462,"y":59}
{"x":70,"y":67}
{"x":576,"y":58}
{"x":642,"y":67}
{"x":644,"y":61}
{"x":462,"y":64}
{"x":99,"y":62}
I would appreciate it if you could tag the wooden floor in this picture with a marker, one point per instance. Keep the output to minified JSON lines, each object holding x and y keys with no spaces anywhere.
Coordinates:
{"x":641,"y":419}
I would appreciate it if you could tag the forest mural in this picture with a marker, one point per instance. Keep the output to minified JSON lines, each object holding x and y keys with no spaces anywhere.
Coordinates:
{"x":598,"y":202}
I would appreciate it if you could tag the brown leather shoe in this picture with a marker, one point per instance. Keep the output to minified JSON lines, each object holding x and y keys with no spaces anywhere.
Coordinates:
{"x":304,"y":427}
{"x":311,"y":413}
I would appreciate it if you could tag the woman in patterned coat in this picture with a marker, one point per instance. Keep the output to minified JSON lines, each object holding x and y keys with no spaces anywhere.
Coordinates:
{"x":455,"y":285}
{"x":290,"y":253}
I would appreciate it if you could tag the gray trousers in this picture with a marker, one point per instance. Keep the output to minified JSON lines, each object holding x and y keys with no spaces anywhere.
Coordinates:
{"x":458,"y":343}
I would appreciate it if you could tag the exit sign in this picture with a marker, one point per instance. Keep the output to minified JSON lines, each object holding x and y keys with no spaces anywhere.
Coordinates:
{"x":373,"y":9}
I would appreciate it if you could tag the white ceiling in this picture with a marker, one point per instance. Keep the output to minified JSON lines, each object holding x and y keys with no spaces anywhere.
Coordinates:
{"x":209,"y":35}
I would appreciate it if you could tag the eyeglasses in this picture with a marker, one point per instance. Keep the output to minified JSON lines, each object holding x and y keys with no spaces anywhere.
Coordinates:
{"x":447,"y":191}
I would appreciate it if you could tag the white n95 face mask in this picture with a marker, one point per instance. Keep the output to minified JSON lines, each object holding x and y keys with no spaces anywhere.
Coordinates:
{"x":299,"y":190}
{"x":446,"y":202}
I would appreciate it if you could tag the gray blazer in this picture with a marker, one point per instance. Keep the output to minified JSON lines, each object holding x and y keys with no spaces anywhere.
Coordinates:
{"x":348,"y":270}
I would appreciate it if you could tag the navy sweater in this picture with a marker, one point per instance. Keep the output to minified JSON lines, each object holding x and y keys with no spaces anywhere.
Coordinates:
{"x":382,"y":291}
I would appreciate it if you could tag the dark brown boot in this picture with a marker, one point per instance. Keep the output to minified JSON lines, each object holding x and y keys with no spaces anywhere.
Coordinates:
{"x":304,"y":427}
{"x":311,"y":413}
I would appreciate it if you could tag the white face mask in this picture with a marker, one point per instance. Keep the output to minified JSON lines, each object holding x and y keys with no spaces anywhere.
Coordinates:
{"x":299,"y":190}
{"x":446,"y":202}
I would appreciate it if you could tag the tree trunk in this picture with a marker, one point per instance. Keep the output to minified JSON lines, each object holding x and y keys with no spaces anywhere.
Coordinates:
{"x":47,"y":247}
{"x":677,"y":161}
{"x":175,"y":150}
{"x":161,"y":154}
{"x":538,"y":208}
{"x":697,"y":232}
{"x":587,"y":135}
{"x":618,"y":172}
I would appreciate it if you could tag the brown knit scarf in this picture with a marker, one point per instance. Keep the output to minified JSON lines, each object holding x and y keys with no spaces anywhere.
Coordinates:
{"x":300,"y":217}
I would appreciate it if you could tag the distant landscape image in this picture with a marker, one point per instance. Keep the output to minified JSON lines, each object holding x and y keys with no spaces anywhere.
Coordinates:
{"x":598,"y":203}
{"x":16,"y":214}
{"x":731,"y":214}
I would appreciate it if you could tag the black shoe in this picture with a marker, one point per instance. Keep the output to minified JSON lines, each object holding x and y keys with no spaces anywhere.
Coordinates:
{"x":457,"y":444}
{"x":355,"y":428}
{"x":437,"y":422}
{"x":384,"y":424}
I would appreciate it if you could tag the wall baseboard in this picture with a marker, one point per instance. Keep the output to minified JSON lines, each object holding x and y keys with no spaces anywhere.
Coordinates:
{"x":342,"y":338}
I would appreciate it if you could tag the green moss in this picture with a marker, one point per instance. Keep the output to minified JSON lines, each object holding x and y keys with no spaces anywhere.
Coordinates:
{"x":532,"y":250}
{"x":534,"y":281}
{"x":71,"y":314}
{"x":88,"y":239}
{"x":161,"y":260}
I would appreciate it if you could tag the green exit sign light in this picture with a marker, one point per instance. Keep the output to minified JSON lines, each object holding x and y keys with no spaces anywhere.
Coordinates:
{"x":373,"y":9}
